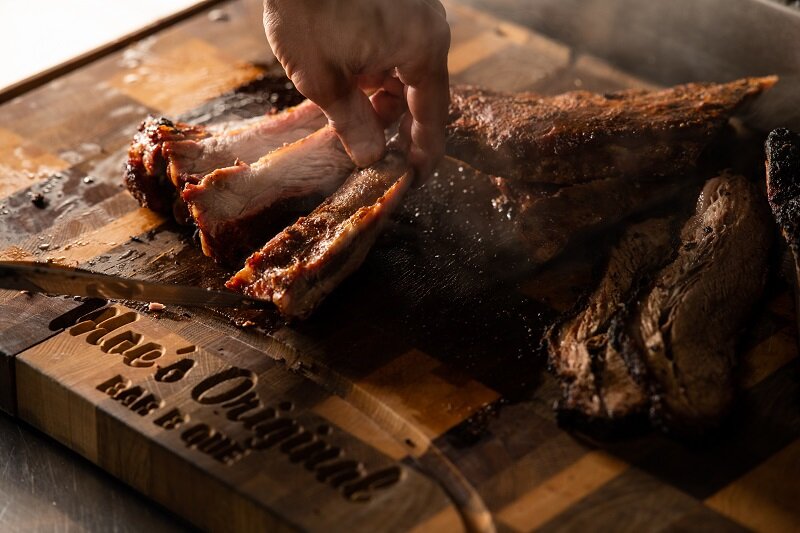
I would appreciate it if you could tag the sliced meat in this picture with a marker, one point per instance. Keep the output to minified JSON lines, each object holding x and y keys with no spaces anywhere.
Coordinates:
{"x":580,"y":136}
{"x":549,"y":220}
{"x":595,"y":379}
{"x":783,"y":192}
{"x":164,"y":155}
{"x":783,"y":184}
{"x":146,"y":169}
{"x":684,"y":332}
{"x":305,"y":262}
{"x":245,"y":141}
{"x":234,"y":207}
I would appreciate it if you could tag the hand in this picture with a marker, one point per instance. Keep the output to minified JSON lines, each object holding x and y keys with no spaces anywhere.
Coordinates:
{"x":336,"y":51}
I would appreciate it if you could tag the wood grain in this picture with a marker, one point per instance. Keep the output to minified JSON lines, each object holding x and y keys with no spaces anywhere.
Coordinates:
{"x":143,"y":402}
{"x":426,"y":360}
{"x":761,"y":499}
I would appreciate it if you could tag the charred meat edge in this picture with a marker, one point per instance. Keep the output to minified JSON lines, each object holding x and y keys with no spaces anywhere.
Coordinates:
{"x":685,"y":330}
{"x":595,"y":379}
{"x":164,"y":155}
{"x":301,"y":265}
{"x":579,"y":136}
{"x":234,"y":207}
{"x":783,"y":192}
{"x":783,"y":184}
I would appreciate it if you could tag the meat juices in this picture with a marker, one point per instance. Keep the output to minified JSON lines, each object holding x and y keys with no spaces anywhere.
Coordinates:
{"x":233,"y":207}
{"x":580,"y":136}
{"x":165,"y":155}
{"x":306,"y":261}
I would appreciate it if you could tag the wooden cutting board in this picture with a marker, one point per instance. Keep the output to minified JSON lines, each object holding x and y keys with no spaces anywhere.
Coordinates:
{"x":415,"y":399}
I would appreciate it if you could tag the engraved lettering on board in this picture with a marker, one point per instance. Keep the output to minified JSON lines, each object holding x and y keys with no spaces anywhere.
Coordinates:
{"x":233,"y":392}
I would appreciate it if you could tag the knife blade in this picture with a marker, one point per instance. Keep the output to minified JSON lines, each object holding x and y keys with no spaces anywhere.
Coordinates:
{"x":50,"y":278}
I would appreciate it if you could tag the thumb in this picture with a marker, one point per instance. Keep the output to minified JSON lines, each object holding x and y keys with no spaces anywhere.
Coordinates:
{"x":348,"y":110}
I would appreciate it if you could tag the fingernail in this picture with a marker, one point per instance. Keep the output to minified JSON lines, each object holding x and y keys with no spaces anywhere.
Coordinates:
{"x":365,"y":149}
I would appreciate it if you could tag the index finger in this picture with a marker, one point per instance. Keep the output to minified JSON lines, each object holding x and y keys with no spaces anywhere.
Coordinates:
{"x":428,"y":97}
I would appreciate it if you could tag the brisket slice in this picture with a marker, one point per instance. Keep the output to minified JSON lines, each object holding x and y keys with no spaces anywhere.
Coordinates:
{"x":164,"y":155}
{"x":550,"y":220}
{"x":684,"y":331}
{"x":235,"y":207}
{"x":305,"y":262}
{"x":595,"y":379}
{"x":579,"y":136}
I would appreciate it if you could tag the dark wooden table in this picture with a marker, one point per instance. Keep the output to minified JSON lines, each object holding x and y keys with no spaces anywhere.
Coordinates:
{"x":442,"y":383}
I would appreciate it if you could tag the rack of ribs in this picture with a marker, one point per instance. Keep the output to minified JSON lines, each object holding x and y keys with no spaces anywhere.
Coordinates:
{"x":234,"y":207}
{"x":165,"y":155}
{"x":579,"y":136}
{"x":306,"y":261}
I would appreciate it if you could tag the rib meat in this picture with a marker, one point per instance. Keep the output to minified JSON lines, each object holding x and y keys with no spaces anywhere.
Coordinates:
{"x":579,"y":136}
{"x":684,"y":332}
{"x":164,"y":155}
{"x":305,"y":262}
{"x":550,"y":220}
{"x":595,"y":379}
{"x":234,"y":206}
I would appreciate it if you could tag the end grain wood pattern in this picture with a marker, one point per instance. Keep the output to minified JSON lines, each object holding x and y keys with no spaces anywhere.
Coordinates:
{"x":408,"y":403}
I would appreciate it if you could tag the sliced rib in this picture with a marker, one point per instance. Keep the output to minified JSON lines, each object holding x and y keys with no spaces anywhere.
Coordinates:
{"x":301,"y":265}
{"x":164,"y":155}
{"x":233,"y":207}
{"x":579,"y":136}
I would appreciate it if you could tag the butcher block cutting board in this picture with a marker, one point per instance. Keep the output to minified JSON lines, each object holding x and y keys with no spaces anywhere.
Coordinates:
{"x":415,"y":399}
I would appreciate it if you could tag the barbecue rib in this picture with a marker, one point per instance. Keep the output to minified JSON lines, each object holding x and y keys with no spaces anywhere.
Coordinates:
{"x":305,"y":262}
{"x":549,"y":221}
{"x":684,"y":331}
{"x":579,"y":136}
{"x":165,"y":155}
{"x":595,"y":379}
{"x":231,"y":206}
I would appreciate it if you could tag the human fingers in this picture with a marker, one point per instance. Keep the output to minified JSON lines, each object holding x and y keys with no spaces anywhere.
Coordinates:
{"x":428,"y":97}
{"x":348,"y":109}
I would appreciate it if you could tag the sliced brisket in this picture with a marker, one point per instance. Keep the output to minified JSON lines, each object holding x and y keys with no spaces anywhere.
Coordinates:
{"x":685,"y":330}
{"x":595,"y":379}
